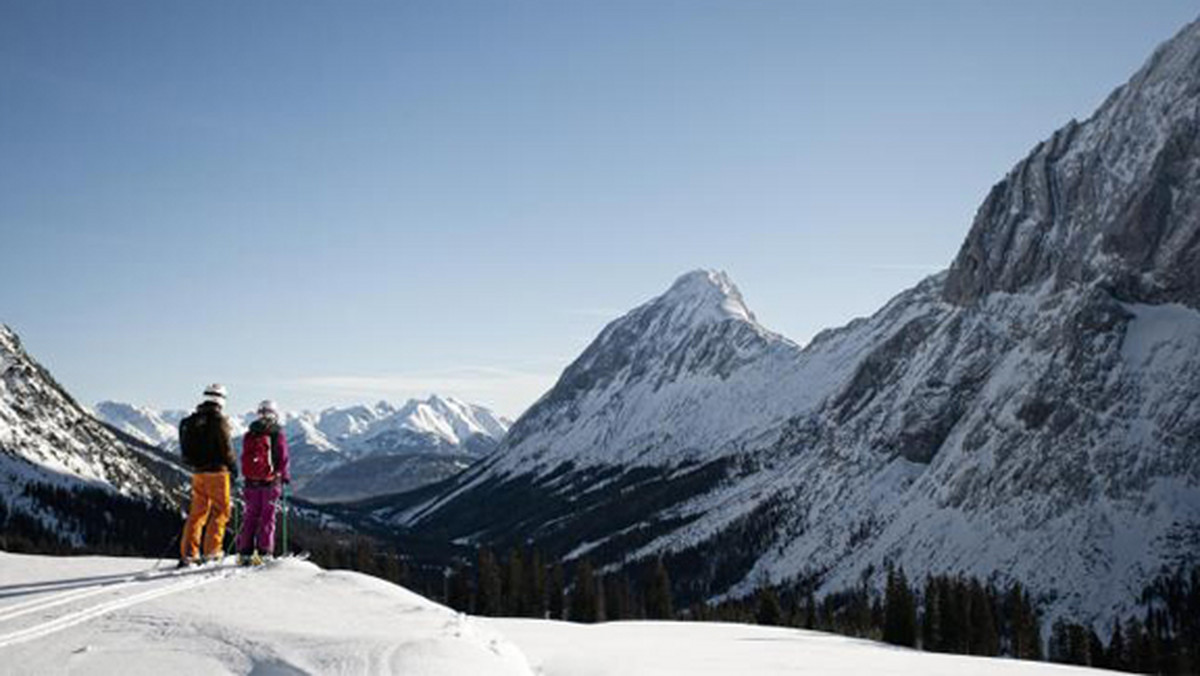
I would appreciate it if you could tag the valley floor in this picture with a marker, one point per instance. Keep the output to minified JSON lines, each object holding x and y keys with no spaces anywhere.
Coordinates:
{"x":97,"y":615}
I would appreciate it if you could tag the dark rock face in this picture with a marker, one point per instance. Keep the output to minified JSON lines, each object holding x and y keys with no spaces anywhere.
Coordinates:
{"x":1114,"y":200}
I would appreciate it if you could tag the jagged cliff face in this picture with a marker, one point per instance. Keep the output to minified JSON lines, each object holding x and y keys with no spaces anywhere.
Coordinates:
{"x":1111,"y":201}
{"x":47,"y":439}
{"x":1033,"y":413}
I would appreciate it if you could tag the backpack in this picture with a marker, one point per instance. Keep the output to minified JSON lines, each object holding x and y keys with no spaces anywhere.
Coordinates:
{"x":191,"y":438}
{"x":257,"y":461}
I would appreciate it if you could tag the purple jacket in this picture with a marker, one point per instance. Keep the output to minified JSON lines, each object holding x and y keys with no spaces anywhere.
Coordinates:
{"x":279,"y":447}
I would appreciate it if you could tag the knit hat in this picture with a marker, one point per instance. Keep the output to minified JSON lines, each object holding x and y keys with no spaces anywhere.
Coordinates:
{"x":215,"y":394}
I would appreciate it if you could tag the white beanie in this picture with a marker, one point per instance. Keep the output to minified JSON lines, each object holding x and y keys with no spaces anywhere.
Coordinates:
{"x":215,"y":394}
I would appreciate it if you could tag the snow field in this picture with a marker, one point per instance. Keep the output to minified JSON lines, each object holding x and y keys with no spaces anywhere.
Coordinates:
{"x":99,"y":615}
{"x":96,"y":615}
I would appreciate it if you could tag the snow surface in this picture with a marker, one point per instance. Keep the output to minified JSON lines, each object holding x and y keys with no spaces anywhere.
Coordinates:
{"x":99,"y":615}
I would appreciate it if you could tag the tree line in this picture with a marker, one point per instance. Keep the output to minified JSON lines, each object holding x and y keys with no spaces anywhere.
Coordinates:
{"x":88,"y":521}
{"x":524,"y":584}
{"x":963,"y":615}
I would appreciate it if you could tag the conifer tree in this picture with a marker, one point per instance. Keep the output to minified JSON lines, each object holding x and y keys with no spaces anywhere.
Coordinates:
{"x":459,"y":589}
{"x":616,"y":597}
{"x":516,"y":599}
{"x":658,"y":593}
{"x":584,"y":604}
{"x":1117,"y":657}
{"x":488,"y":599}
{"x":931,"y":617}
{"x":954,"y":609}
{"x":1059,"y":648}
{"x":769,"y":612}
{"x":364,"y":556}
{"x":810,"y":611}
{"x":983,"y":637}
{"x":900,"y":611}
{"x":1025,"y":642}
{"x":556,"y":591}
{"x":535,"y":584}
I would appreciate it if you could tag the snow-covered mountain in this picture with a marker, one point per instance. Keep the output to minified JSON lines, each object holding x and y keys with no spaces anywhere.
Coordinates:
{"x":99,"y":615}
{"x":58,"y":463}
{"x":436,"y":424}
{"x":375,"y":449}
{"x":1033,"y":413}
{"x":157,"y":428}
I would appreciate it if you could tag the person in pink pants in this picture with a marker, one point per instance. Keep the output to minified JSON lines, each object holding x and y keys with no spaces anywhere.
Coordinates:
{"x":265,"y":470}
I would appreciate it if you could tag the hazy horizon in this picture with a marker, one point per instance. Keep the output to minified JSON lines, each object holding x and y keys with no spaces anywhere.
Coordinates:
{"x":329,"y":205}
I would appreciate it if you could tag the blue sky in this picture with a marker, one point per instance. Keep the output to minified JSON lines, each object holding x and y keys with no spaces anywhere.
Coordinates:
{"x":333,"y":202}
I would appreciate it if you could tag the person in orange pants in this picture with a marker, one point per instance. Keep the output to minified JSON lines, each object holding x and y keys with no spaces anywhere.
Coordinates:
{"x":204,"y":440}
{"x":211,"y":508}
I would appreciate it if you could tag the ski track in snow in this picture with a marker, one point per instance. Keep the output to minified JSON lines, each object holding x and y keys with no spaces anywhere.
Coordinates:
{"x":171,"y":582}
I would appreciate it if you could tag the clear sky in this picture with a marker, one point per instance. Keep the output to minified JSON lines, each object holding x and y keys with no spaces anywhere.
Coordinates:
{"x":333,"y":202}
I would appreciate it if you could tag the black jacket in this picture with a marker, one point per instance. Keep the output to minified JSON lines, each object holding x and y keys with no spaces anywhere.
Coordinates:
{"x":204,"y":439}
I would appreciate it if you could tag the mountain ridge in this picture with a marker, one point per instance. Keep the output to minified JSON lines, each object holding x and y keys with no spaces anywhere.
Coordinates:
{"x":342,"y":453}
{"x":1026,"y":414}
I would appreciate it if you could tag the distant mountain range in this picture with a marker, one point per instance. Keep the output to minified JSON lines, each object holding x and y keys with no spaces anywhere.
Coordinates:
{"x":1031,"y":414}
{"x":356,"y":451}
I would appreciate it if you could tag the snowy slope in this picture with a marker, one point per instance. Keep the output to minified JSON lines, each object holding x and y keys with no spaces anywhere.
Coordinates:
{"x":120,"y":616}
{"x":47,"y":439}
{"x":1031,"y":414}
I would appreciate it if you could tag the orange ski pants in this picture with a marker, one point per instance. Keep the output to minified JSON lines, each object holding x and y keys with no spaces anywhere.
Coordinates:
{"x":210,"y":505}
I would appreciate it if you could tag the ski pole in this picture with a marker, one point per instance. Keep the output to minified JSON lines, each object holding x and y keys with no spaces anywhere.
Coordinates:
{"x":286,"y":489}
{"x":237,"y":520}
{"x":166,"y":549}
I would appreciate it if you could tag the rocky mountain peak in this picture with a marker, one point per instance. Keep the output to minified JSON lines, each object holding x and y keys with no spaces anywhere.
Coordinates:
{"x":705,"y":295}
{"x":1113,"y":201}
{"x":9,"y":343}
